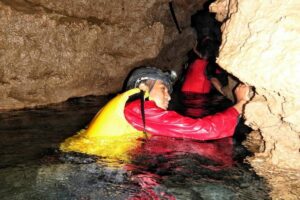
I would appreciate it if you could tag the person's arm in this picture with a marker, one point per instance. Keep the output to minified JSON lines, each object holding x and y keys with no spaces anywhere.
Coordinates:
{"x":242,"y":92}
{"x":217,"y":84}
{"x":171,"y":124}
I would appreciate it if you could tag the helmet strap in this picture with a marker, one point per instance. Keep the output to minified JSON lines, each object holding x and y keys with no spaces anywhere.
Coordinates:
{"x":151,"y":84}
{"x":142,"y":98}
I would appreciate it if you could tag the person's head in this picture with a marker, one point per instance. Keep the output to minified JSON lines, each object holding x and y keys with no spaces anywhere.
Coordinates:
{"x":154,"y":81}
{"x":207,"y":48}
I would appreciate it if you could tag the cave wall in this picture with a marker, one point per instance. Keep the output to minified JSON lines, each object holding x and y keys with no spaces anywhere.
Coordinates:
{"x":51,"y":50}
{"x":261,"y":46}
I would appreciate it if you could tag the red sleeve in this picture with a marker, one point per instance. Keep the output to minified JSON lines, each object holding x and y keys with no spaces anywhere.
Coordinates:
{"x":171,"y":124}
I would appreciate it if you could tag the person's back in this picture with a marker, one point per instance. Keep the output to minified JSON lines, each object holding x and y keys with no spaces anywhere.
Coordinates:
{"x":201,"y":77}
{"x":196,"y":81}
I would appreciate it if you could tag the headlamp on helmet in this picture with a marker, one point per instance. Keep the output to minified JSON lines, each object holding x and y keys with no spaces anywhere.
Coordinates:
{"x":143,"y":73}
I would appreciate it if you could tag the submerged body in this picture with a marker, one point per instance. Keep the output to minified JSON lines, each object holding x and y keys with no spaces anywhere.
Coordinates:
{"x":198,"y":87}
{"x":115,"y":129}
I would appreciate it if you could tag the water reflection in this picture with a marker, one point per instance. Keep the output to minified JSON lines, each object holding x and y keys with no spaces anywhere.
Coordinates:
{"x":159,"y":168}
{"x":167,"y":160}
{"x":166,"y":168}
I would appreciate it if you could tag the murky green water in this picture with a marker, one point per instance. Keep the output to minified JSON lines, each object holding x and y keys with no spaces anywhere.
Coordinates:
{"x":163,"y":168}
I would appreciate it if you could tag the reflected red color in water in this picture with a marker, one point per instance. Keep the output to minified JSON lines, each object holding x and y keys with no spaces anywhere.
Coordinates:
{"x":218,"y":152}
{"x":193,"y":104}
{"x":150,"y":188}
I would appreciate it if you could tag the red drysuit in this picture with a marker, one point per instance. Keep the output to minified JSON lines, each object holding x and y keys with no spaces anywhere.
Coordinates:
{"x":169,"y":123}
{"x":196,"y":80}
{"x":195,"y":87}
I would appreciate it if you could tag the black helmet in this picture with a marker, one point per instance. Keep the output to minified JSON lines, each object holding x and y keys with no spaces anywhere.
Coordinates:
{"x":150,"y":73}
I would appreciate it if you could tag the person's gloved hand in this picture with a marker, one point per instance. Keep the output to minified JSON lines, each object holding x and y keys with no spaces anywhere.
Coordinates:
{"x":242,"y":93}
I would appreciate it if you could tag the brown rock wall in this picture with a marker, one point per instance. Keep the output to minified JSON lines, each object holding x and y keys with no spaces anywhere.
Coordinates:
{"x":52,"y":50}
{"x":261,"y":46}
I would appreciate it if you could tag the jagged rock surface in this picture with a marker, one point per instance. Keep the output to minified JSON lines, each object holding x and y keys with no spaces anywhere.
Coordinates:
{"x":261,"y":46}
{"x":52,"y":50}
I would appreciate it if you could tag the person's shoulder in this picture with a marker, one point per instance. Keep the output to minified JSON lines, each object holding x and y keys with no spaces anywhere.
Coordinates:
{"x":200,"y":61}
{"x":137,"y":104}
{"x":134,"y":108}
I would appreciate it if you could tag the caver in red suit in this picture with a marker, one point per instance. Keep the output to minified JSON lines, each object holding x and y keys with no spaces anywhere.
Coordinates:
{"x":195,"y":87}
{"x":169,"y":123}
{"x":196,"y":80}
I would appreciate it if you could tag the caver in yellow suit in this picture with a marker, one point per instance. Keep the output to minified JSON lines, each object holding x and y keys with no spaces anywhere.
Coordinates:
{"x":109,"y":134}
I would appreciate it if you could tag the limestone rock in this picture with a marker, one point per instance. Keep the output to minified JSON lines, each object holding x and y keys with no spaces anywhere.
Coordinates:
{"x":261,"y":46}
{"x":52,"y":50}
